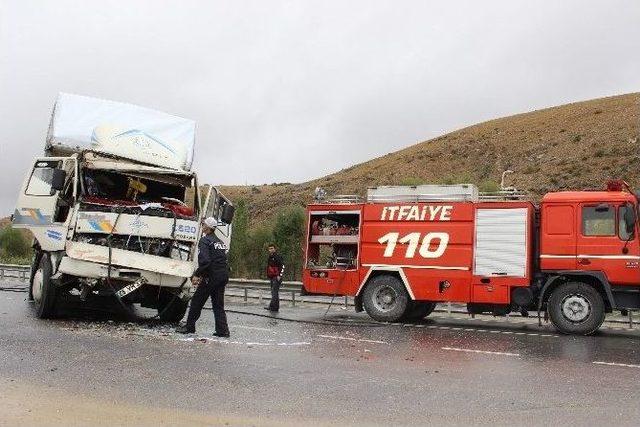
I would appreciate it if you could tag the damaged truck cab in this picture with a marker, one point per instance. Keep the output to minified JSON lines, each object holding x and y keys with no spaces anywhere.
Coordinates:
{"x":116,"y":216}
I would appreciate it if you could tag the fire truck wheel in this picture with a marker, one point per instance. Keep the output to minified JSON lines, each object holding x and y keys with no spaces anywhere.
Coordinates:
{"x":576,"y":308}
{"x":43,"y":290}
{"x":419,"y":310}
{"x":385,"y":299}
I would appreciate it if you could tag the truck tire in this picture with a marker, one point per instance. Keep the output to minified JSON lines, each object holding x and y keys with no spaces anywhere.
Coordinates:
{"x":576,"y":308}
{"x":35,"y":264}
{"x":419,"y":310}
{"x":42,"y":289}
{"x":385,"y":299}
{"x":169,"y":311}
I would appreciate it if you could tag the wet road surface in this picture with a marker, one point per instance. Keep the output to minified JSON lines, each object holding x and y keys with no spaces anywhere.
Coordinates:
{"x":342,"y":369}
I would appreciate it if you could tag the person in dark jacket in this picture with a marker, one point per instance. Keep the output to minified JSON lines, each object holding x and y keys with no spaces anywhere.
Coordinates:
{"x":210,"y":279}
{"x":275,"y":269}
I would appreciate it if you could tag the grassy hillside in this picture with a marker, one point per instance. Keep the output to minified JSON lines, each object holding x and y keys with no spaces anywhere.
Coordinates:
{"x":577,"y":146}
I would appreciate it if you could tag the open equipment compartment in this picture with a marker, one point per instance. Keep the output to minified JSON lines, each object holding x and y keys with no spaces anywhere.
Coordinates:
{"x":333,"y":240}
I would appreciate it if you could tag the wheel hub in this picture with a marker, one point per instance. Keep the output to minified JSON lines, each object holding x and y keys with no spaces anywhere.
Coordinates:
{"x":36,"y":288}
{"x":576,"y":308}
{"x":385,"y":298}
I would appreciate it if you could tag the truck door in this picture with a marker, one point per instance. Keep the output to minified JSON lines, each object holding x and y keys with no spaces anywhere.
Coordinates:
{"x":605,"y":244}
{"x":46,"y":199}
{"x":217,"y":206}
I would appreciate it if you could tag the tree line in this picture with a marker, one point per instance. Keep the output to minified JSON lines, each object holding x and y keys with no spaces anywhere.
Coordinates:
{"x":248,"y":254}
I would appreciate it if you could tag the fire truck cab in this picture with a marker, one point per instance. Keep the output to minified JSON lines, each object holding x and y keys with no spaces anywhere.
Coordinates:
{"x":574,"y":257}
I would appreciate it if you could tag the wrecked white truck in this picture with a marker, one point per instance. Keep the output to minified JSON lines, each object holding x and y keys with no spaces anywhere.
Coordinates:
{"x":115,"y":209}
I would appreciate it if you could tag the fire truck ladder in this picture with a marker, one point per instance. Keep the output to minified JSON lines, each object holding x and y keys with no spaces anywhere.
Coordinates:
{"x":433,"y":193}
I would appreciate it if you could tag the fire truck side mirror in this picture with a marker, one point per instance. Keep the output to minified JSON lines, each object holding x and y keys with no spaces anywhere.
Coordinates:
{"x":629,"y":217}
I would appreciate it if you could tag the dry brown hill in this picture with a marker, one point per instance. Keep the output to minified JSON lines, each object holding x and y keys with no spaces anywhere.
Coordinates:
{"x":576,"y":145}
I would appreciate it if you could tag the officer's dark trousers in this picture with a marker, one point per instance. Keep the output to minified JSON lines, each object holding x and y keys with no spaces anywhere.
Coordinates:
{"x":274,"y":305}
{"x":214,"y":288}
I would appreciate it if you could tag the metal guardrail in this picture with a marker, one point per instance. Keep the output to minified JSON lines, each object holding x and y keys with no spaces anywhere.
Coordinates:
{"x":14,"y":271}
{"x":290,"y":291}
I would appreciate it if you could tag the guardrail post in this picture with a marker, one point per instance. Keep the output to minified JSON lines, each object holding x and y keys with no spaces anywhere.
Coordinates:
{"x":449,"y":308}
{"x":259,"y":297}
{"x":346,"y":301}
{"x":630,"y":319}
{"x":246,"y":294}
{"x":2,"y":273}
{"x":293,"y":298}
{"x":23,"y":275}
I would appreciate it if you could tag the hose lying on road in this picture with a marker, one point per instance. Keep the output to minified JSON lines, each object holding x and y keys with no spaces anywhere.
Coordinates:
{"x":325,"y":322}
{"x":13,"y":289}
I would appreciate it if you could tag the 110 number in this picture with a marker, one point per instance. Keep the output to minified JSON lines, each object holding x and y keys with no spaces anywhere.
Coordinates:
{"x":413,"y":240}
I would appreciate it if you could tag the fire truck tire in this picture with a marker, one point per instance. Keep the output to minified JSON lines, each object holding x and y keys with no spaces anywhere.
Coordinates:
{"x":419,"y":310}
{"x":43,"y":289}
{"x":385,"y":299}
{"x":576,"y":308}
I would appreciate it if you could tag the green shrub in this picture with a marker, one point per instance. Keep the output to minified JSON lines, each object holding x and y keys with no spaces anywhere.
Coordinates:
{"x":288,"y":233}
{"x":488,"y":186}
{"x":412,"y":181}
{"x":13,"y":245}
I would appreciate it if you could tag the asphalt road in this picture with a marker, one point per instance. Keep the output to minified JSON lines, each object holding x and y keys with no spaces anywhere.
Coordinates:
{"x":342,"y":369}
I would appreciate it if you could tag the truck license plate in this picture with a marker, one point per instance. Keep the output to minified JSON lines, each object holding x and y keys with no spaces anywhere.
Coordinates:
{"x":129,"y":288}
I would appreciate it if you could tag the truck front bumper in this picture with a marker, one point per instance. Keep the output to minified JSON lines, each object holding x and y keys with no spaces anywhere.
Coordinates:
{"x":94,"y":270}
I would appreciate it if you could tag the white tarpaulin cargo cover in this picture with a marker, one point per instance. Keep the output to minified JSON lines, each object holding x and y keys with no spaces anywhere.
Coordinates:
{"x":80,"y":122}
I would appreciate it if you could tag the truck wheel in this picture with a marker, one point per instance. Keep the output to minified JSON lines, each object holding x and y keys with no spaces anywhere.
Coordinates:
{"x":419,"y":310}
{"x":171,"y":313}
{"x":576,"y":308}
{"x":42,"y":289}
{"x":385,"y":299}
{"x":35,"y":263}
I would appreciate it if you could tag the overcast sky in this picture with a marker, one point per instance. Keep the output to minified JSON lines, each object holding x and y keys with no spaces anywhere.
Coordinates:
{"x":293,"y":90}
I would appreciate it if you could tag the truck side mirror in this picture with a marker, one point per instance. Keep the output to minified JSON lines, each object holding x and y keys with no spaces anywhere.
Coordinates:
{"x":629,"y":217}
{"x":58,"y":179}
{"x":227,"y":213}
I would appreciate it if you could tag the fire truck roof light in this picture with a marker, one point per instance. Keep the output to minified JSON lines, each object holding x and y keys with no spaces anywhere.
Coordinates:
{"x":615,"y":185}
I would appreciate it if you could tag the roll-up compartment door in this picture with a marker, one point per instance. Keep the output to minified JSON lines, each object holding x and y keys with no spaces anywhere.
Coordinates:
{"x":501,"y":242}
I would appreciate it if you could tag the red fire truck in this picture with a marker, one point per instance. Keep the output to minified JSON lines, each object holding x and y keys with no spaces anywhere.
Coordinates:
{"x":573,"y":257}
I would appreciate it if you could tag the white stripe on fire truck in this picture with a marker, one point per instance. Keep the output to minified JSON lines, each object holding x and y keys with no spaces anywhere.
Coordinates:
{"x":632,"y":257}
{"x":434,"y":267}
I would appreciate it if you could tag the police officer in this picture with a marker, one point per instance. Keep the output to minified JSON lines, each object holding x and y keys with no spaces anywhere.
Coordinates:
{"x":210,"y":279}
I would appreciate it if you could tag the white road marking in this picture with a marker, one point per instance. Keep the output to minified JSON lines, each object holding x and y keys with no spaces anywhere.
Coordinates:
{"x":333,"y":337}
{"x":624,"y":365}
{"x":468,"y":350}
{"x":255,"y":328}
{"x":481,"y":330}
{"x":252,"y":344}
